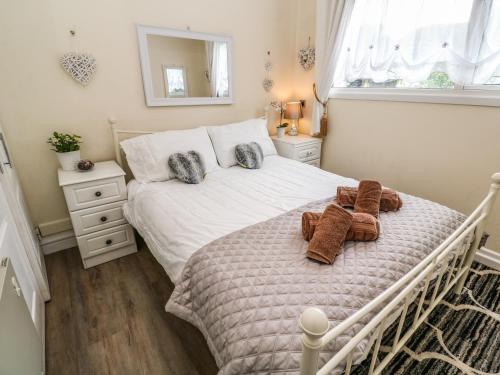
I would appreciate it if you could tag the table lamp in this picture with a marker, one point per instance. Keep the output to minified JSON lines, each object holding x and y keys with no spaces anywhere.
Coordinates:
{"x":293,"y":112}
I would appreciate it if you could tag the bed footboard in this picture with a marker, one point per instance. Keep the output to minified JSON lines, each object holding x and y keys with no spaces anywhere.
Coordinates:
{"x":448,"y":265}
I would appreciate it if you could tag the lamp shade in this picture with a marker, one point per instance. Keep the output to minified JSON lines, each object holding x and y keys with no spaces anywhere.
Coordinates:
{"x":293,"y":110}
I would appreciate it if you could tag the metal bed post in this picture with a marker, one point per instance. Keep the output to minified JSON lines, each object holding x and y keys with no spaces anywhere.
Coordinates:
{"x":314,"y":323}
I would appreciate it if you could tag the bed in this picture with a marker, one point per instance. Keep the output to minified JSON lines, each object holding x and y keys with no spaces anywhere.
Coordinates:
{"x":177,"y":219}
{"x":233,"y":248}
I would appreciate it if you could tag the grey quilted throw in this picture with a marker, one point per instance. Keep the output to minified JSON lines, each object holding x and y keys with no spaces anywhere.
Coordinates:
{"x":188,"y":167}
{"x":249,"y":155}
{"x":246,"y":291}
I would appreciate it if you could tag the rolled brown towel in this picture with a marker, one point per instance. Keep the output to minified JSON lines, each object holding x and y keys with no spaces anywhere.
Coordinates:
{"x":330,"y":234}
{"x":364,"y":227}
{"x":389,"y":201}
{"x":368,"y":199}
{"x":309,"y":221}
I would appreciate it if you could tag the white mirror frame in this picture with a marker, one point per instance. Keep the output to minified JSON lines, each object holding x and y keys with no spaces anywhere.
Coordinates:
{"x":152,"y":101}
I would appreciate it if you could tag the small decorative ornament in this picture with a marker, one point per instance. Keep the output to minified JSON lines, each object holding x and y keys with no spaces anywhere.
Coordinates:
{"x":307,"y":56}
{"x":80,"y":66}
{"x":85,"y":165}
{"x":267,"y":84}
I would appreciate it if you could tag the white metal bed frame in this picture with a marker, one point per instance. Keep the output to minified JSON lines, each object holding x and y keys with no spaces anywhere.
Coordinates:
{"x":460,"y":246}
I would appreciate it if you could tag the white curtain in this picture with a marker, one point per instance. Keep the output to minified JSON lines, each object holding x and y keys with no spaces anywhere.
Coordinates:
{"x":220,"y":69}
{"x":331,"y":16}
{"x":488,"y":60}
{"x":410,"y":39}
{"x":217,"y":68}
{"x":209,"y":49}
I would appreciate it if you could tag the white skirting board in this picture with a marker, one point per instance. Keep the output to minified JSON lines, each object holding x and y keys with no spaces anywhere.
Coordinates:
{"x":490,"y":258}
{"x":58,"y":241}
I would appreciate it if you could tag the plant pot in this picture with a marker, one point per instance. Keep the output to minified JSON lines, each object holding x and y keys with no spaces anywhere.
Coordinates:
{"x":68,"y":160}
{"x":281,"y":132}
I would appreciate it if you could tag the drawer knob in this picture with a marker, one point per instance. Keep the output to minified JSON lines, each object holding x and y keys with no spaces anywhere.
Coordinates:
{"x":98,"y":193}
{"x":104,"y":218}
{"x":109,"y":242}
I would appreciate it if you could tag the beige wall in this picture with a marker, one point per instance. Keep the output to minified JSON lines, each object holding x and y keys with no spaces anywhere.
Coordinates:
{"x":37,"y":97}
{"x":445,"y":153}
{"x":181,"y":52}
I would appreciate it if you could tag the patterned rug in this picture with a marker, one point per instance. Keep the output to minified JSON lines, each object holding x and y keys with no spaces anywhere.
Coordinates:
{"x":461,"y":335}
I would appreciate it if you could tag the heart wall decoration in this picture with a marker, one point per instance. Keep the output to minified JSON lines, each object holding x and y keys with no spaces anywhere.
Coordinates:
{"x":80,"y":66}
{"x":307,"y":56}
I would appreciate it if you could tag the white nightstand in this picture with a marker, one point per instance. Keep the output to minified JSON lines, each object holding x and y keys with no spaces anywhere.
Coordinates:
{"x":95,"y":199}
{"x":303,"y":148}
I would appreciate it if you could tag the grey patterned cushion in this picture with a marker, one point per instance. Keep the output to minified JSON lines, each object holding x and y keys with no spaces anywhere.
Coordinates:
{"x":249,"y":155}
{"x":188,"y":167}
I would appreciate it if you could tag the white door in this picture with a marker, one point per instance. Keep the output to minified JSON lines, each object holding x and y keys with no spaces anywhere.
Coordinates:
{"x":12,"y":247}
{"x":21,"y":349}
{"x":18,"y":241}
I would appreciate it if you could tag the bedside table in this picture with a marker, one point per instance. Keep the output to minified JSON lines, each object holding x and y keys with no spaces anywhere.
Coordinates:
{"x":302,"y":147}
{"x":95,"y":199}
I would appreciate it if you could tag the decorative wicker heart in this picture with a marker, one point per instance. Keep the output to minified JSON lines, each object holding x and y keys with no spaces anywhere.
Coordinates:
{"x":268,"y":84}
{"x":306,"y":58}
{"x":80,"y":66}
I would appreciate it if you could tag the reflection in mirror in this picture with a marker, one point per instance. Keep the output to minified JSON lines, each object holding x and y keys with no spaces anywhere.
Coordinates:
{"x":175,"y":81}
{"x":185,"y":67}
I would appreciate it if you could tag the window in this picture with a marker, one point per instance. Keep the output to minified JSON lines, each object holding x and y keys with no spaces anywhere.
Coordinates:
{"x":175,"y":81}
{"x":447,"y":48}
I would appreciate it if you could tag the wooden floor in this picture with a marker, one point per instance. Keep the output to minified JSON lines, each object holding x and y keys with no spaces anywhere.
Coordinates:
{"x":111,"y":319}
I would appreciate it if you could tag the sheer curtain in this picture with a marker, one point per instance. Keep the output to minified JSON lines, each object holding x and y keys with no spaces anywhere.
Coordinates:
{"x":489,"y":54}
{"x":217,"y":68}
{"x":410,"y":39}
{"x":209,"y":50}
{"x":331,"y":16}
{"x":220,"y":69}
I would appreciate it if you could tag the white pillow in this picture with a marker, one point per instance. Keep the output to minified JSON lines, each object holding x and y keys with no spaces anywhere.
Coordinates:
{"x":147,"y":155}
{"x":226,"y":137}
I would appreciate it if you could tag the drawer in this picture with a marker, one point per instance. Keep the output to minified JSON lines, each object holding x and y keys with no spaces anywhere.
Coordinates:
{"x":95,"y":193}
{"x":105,"y":240}
{"x":308,"y":152}
{"x":314,"y":162}
{"x":94,"y":219}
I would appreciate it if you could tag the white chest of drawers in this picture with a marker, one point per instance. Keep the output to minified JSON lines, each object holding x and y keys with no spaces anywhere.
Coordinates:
{"x":95,"y":199}
{"x":303,"y":148}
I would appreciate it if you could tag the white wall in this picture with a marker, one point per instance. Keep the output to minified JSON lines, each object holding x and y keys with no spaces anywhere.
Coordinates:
{"x":37,"y":96}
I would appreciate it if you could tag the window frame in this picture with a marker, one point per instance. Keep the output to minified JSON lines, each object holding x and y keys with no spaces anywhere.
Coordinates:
{"x":469,"y":95}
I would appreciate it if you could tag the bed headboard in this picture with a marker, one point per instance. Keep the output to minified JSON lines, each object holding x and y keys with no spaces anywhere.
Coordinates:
{"x":117,"y":133}
{"x":116,"y":141}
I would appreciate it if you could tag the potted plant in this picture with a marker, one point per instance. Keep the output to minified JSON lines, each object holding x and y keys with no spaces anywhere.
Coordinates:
{"x":281,"y":128}
{"x":67,"y":147}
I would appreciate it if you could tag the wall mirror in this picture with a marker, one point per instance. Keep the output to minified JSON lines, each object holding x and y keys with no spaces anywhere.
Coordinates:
{"x":184,"y":67}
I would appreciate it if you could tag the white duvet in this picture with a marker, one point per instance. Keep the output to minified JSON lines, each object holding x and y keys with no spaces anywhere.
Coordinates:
{"x":176,"y":219}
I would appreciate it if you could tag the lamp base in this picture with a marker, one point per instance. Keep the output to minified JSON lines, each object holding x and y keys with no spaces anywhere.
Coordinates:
{"x":293,"y":129}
